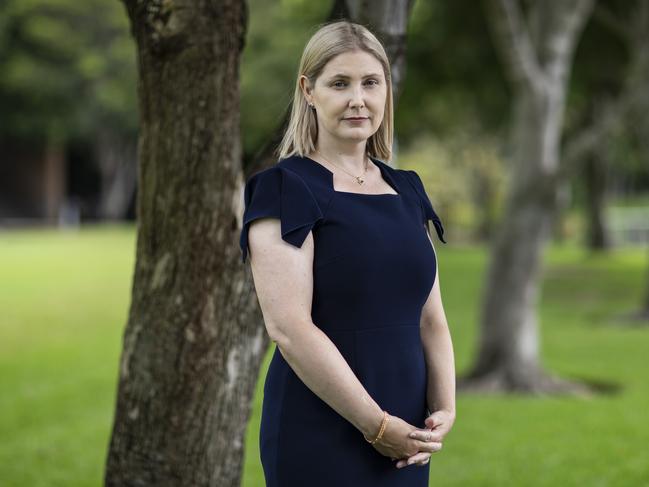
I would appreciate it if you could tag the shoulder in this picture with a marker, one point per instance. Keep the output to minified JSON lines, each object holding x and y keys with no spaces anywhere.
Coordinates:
{"x":416,"y":185}
{"x":277,"y":180}
{"x":277,"y":170}
{"x":413,"y":179}
{"x":407,"y":179}
{"x":293,"y":168}
{"x":274,"y":185}
{"x":278,"y":192}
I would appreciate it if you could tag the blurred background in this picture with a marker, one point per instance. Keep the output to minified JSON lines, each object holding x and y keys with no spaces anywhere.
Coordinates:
{"x":68,"y":187}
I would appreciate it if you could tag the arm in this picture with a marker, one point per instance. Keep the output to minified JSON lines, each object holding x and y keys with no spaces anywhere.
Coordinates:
{"x":438,"y":350}
{"x":283,"y":278}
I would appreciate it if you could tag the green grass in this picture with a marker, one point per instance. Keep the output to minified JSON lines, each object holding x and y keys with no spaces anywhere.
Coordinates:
{"x":65,"y":295}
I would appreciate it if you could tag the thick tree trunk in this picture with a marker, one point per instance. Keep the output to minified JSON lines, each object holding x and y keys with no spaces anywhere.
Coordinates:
{"x":538,"y":61}
{"x":509,"y":344}
{"x":190,"y":356}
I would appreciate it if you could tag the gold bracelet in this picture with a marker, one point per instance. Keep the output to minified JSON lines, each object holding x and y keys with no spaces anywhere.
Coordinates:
{"x":384,"y":423}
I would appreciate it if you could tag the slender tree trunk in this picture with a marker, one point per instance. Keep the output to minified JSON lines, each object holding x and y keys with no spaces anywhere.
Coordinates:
{"x":116,"y":159}
{"x":53,"y":181}
{"x":595,"y":185}
{"x":190,"y":356}
{"x":645,"y":307}
{"x":537,"y":52}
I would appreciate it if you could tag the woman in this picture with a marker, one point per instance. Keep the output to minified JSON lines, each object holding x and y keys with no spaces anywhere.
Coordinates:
{"x":346,"y":277}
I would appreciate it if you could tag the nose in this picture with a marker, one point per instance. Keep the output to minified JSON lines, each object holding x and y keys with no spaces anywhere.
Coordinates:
{"x":357,"y":97}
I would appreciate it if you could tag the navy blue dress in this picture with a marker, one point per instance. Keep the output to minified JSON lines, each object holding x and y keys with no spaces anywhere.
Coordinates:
{"x":373,"y":270}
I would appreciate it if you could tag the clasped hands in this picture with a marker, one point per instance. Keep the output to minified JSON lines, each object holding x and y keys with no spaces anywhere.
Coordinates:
{"x":409,"y":445}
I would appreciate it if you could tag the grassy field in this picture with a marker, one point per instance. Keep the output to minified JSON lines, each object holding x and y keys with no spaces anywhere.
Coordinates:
{"x":64,"y":298}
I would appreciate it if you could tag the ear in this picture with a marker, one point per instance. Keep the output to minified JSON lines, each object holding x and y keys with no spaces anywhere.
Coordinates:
{"x":305,"y":87}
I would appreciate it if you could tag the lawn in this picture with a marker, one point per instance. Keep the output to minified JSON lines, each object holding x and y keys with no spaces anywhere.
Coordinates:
{"x":64,"y":297}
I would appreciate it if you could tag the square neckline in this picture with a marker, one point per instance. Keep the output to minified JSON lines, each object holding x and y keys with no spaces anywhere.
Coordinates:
{"x":385,"y":178}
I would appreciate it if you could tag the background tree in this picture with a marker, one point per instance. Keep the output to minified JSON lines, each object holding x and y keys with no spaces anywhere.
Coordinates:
{"x":190,"y":359}
{"x":616,"y":130}
{"x":605,"y":126}
{"x":537,"y":61}
{"x":67,"y":77}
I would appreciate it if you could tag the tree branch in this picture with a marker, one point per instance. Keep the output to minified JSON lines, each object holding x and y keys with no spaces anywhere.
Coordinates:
{"x":565,"y":23}
{"x":616,"y":113}
{"x":512,"y":40}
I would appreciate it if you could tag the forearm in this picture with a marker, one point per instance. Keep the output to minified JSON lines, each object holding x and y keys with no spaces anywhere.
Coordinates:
{"x":319,"y":364}
{"x":440,"y":365}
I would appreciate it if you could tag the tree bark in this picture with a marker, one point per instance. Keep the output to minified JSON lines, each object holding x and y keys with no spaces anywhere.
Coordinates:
{"x":191,"y":352}
{"x":537,"y":51}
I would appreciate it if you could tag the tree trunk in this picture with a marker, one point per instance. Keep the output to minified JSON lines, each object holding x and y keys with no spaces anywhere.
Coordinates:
{"x":595,"y":185}
{"x":538,"y":59}
{"x":53,"y":179}
{"x":645,"y":307}
{"x":190,"y":356}
{"x":116,"y":159}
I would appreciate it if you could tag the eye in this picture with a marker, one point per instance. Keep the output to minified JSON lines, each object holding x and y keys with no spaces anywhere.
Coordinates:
{"x":338,"y":84}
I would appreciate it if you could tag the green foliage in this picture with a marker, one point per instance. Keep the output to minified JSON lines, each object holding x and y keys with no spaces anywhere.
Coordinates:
{"x":68,"y":68}
{"x":276,"y":36}
{"x":454,"y":78}
{"x":464,"y":176}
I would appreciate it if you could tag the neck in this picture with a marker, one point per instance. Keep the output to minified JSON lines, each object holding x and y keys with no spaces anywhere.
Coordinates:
{"x":351,"y":156}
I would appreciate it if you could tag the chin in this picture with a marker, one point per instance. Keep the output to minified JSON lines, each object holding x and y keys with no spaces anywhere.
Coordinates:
{"x":357,"y":138}
{"x":358,"y":132}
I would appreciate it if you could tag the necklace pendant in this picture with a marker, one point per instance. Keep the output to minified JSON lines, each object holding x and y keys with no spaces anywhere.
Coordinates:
{"x":359,"y":180}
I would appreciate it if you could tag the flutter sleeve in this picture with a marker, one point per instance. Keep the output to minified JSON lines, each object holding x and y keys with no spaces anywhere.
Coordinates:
{"x":428,"y":213}
{"x":279,"y":193}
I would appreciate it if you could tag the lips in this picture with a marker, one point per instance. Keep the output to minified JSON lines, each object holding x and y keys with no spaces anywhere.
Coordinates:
{"x":356,"y":118}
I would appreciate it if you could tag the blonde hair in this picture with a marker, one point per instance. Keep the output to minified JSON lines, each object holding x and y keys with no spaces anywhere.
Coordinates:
{"x":330,"y":40}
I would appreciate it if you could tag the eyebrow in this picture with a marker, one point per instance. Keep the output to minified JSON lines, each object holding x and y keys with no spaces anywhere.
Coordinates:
{"x":343,"y":75}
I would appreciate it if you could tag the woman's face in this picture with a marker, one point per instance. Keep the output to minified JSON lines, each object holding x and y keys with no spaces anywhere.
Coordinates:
{"x":351,"y":84}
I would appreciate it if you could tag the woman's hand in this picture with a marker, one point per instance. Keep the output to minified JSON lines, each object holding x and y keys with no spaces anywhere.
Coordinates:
{"x":440,"y":423}
{"x":395,"y":442}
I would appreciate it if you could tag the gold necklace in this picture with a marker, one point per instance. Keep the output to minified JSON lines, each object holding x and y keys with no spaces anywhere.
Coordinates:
{"x":359,"y":179}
